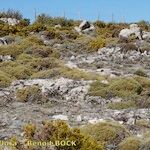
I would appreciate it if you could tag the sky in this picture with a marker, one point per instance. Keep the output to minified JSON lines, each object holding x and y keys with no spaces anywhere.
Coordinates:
{"x":105,"y":10}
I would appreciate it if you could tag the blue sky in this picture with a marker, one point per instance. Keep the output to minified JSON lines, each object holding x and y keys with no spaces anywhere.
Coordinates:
{"x":132,"y":10}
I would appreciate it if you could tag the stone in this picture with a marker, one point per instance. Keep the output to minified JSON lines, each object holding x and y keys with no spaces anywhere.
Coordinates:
{"x":134,"y":29}
{"x":85,"y":27}
{"x":57,"y":26}
{"x":60,"y":117}
{"x":10,"y":21}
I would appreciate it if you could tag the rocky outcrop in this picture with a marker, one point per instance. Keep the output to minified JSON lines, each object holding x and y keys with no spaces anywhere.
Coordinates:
{"x":10,"y":21}
{"x":133,"y":29}
{"x":85,"y":27}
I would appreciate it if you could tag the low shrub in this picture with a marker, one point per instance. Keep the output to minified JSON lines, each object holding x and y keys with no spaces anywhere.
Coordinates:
{"x":29,"y":94}
{"x":97,"y":43}
{"x":60,"y":131}
{"x":122,"y":87}
{"x":131,"y":143}
{"x":106,"y":133}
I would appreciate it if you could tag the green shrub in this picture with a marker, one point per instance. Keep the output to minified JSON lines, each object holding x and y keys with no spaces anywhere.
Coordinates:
{"x":131,"y":143}
{"x":29,"y":94}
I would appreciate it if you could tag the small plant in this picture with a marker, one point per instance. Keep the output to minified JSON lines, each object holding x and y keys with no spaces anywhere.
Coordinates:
{"x":29,"y":94}
{"x":29,"y":130}
{"x":106,"y":132}
{"x":97,"y":43}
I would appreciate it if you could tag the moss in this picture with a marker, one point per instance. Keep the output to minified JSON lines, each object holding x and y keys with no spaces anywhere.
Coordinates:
{"x":31,"y":93}
{"x":5,"y":79}
{"x":131,"y":143}
{"x":106,"y":133}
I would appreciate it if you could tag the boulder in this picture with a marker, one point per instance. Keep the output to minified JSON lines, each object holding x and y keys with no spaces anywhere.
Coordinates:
{"x":85,"y":27}
{"x":134,"y":29}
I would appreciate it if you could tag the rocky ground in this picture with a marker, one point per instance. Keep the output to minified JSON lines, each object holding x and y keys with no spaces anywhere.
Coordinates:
{"x":69,"y":99}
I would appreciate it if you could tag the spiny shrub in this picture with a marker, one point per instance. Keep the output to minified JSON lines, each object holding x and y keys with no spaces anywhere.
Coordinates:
{"x":123,"y":87}
{"x":29,"y":94}
{"x":60,"y":131}
{"x":97,"y":43}
{"x":106,"y":133}
{"x":131,"y":143}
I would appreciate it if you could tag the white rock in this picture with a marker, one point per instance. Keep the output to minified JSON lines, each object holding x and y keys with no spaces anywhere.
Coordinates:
{"x":60,"y":117}
{"x":134,"y":29}
{"x":79,"y":118}
{"x":94,"y":121}
{"x":10,"y":21}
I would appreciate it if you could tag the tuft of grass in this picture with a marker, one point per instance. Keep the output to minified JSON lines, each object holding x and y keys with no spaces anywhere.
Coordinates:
{"x":5,"y":80}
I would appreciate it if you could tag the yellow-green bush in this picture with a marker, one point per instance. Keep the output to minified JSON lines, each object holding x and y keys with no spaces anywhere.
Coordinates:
{"x":30,"y":93}
{"x":60,"y":131}
{"x":106,"y":133}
